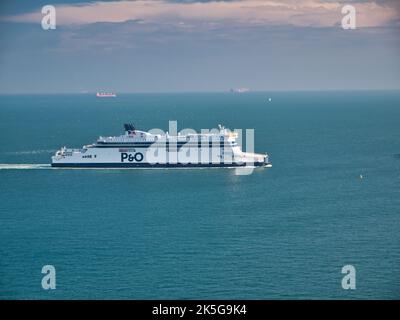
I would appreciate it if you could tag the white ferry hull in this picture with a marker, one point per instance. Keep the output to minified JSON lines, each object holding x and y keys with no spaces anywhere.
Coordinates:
{"x":137,"y":158}
{"x":155,"y":166}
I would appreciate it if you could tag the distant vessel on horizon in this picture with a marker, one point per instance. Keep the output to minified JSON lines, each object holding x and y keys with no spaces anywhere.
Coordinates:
{"x":240,"y":90}
{"x":106,"y":94}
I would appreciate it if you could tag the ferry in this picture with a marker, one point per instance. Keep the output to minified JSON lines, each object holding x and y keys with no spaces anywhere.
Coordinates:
{"x":106,"y":94}
{"x":141,"y":149}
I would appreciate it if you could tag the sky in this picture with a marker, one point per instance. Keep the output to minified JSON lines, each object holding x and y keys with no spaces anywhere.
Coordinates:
{"x":193,"y":45}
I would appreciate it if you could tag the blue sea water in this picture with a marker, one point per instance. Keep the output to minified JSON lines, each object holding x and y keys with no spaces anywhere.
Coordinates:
{"x":279,"y":233}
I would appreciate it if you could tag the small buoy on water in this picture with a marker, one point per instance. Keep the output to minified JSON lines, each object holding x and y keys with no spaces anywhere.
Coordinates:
{"x":361,"y":176}
{"x":269,"y":99}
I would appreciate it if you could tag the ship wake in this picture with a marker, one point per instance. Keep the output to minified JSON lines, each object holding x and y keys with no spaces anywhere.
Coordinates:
{"x":29,"y":152}
{"x":24,"y":166}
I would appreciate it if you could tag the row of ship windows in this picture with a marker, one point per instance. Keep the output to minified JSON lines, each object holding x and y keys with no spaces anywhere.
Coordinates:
{"x":189,"y":144}
{"x":89,"y":156}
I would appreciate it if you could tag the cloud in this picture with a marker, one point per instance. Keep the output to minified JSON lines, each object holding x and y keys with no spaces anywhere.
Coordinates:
{"x":302,"y":13}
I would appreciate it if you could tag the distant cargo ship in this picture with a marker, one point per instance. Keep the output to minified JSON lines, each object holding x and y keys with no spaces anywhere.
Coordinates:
{"x":240,"y":90}
{"x":138,"y":149}
{"x":106,"y":94}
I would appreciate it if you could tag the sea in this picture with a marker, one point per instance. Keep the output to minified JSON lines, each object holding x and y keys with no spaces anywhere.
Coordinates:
{"x":330,"y":200}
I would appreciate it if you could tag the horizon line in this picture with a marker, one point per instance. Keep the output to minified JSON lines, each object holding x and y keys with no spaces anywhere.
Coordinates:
{"x":198,"y":92}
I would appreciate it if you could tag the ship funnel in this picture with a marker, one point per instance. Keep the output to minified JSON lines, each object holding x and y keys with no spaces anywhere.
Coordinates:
{"x":129,"y":127}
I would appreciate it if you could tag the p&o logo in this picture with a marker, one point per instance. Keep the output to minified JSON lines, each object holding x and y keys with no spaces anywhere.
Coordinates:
{"x":129,"y":157}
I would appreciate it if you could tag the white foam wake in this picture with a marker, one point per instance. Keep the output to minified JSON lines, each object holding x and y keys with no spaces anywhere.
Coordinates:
{"x":30,"y":152}
{"x":24,"y":166}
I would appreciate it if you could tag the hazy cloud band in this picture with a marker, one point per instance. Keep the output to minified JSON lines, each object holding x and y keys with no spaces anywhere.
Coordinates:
{"x":303,"y":13}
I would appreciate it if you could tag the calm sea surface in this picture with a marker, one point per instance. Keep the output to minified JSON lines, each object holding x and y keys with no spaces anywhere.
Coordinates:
{"x":284,"y":232}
